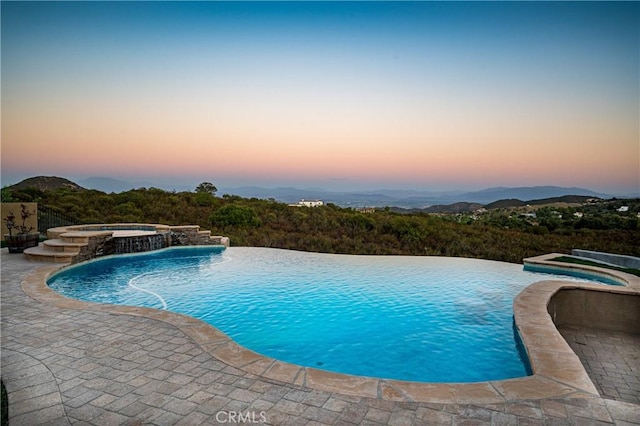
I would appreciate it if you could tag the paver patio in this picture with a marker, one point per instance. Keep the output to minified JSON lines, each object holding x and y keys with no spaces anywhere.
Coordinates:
{"x":92,"y":367}
{"x":612,"y":360}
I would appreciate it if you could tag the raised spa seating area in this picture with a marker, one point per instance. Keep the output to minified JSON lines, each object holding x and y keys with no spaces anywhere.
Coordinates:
{"x":72,"y":244}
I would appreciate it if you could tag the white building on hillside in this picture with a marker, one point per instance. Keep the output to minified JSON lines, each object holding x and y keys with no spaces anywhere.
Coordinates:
{"x":308,"y":203}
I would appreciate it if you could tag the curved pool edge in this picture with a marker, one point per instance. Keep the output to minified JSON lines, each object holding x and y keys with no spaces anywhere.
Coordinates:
{"x":557,"y":371}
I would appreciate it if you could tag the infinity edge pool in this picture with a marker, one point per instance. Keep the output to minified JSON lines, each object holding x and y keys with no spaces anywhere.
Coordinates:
{"x":557,"y":371}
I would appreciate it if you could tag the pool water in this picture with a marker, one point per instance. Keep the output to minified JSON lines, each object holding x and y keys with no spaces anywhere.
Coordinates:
{"x":429,"y":319}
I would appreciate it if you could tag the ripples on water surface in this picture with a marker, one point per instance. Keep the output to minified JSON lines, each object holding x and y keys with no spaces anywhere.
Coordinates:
{"x":431,"y":319}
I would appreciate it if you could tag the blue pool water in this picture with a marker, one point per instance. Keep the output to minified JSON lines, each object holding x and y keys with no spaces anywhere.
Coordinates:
{"x":430,"y":319}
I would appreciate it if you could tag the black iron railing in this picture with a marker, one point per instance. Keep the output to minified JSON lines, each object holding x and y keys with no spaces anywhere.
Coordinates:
{"x":49,"y":218}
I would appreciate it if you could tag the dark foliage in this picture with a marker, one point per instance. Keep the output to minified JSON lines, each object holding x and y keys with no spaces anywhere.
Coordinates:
{"x":4,"y":414}
{"x":496,"y":235}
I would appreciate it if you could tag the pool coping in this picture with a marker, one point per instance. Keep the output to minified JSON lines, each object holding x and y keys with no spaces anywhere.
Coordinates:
{"x":557,"y":371}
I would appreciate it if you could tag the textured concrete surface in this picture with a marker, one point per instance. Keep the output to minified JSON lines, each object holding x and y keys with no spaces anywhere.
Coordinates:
{"x":94,"y":367}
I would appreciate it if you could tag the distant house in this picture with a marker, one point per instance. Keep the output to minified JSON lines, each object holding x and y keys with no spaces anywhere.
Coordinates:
{"x":366,"y":210}
{"x":308,"y":203}
{"x":623,"y":209}
{"x":578,"y":214}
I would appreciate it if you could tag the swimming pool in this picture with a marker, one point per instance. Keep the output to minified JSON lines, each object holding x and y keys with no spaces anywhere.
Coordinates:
{"x":429,"y":319}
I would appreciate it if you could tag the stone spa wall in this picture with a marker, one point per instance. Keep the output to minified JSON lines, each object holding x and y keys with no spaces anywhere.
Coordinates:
{"x":118,"y":238}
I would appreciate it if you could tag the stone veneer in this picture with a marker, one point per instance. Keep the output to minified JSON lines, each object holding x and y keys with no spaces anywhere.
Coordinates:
{"x":77,"y":243}
{"x":557,"y":371}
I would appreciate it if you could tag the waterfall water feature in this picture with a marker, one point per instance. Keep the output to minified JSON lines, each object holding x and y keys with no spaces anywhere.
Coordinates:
{"x":140,"y":243}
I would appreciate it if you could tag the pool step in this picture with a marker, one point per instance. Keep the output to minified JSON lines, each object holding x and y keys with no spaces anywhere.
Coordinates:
{"x":219,"y":240}
{"x":61,"y":245}
{"x":58,"y":250}
{"x":44,"y":254}
{"x":206,"y":237}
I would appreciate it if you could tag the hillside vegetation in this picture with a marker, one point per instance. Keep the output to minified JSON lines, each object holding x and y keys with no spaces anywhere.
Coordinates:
{"x":499,"y":234}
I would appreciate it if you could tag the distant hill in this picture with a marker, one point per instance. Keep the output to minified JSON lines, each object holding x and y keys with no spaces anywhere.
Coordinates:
{"x":490,"y":195}
{"x":46,"y":183}
{"x":461,"y":207}
{"x":503,"y":204}
{"x":464,"y":207}
{"x":107,"y":184}
{"x":568,"y":199}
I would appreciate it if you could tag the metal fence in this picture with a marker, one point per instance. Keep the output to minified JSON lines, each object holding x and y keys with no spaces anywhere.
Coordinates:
{"x":49,"y":218}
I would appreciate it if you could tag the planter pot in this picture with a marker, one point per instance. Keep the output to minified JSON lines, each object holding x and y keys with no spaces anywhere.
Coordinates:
{"x":17,"y":243}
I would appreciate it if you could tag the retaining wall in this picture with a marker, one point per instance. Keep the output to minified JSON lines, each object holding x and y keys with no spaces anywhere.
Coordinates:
{"x":614,"y":259}
{"x":596,"y":309}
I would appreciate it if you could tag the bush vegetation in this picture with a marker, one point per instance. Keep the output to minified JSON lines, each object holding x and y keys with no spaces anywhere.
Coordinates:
{"x":497,"y":234}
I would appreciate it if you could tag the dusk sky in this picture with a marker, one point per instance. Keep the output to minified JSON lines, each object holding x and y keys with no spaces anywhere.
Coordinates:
{"x":420,"y":95}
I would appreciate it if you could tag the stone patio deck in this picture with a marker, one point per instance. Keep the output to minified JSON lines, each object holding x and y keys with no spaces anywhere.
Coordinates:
{"x":90,"y":366}
{"x":612,"y":360}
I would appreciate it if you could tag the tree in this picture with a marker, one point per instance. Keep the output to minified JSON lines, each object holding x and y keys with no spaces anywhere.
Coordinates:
{"x":235,"y":215}
{"x":6,"y":195}
{"x":206,"y":188}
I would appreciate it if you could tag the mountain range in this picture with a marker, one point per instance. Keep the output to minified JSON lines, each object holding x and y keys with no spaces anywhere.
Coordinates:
{"x":408,"y":199}
{"x":411,"y":199}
